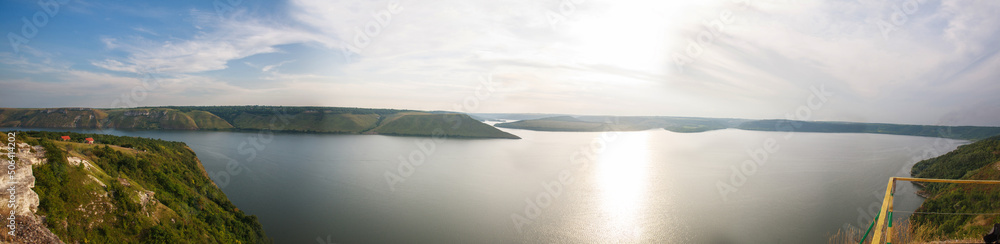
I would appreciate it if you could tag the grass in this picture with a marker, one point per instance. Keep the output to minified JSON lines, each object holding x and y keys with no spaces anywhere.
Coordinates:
{"x":287,"y":119}
{"x":50,"y":118}
{"x":976,"y":161}
{"x":147,"y":118}
{"x":554,"y":125}
{"x":185,"y":206}
{"x":208,"y":121}
{"x":450,"y":125}
{"x":900,"y":234}
{"x":308,"y":122}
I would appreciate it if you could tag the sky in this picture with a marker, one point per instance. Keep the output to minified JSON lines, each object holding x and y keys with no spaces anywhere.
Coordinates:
{"x":912,"y":62}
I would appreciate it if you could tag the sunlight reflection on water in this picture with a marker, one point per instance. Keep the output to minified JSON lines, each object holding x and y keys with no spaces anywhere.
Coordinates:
{"x":621,"y":178}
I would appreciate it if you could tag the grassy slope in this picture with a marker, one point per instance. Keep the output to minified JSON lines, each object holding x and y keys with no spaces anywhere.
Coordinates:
{"x":208,"y":121}
{"x":145,"y":118}
{"x":293,"y":119}
{"x":141,"y":118}
{"x":450,"y":125}
{"x":561,"y":123}
{"x":308,"y":122}
{"x":976,"y":161}
{"x":51,"y":118}
{"x":360,"y":120}
{"x":187,"y":208}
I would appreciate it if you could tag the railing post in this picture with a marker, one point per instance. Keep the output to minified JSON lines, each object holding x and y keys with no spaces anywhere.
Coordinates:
{"x":877,"y":237}
{"x":888,"y":230}
{"x":886,"y":212}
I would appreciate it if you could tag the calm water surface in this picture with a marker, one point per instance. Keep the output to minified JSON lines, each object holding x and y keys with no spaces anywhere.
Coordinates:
{"x":559,"y":187}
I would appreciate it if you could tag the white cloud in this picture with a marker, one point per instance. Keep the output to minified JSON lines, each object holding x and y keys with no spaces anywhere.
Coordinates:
{"x":225,"y":40}
{"x":602,"y":57}
{"x":270,"y":67}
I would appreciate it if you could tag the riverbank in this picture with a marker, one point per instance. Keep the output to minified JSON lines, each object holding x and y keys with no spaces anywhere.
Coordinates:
{"x":968,"y":210}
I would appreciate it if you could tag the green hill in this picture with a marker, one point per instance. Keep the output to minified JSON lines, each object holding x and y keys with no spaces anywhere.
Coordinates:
{"x":450,"y":125}
{"x":561,"y":123}
{"x":976,"y":161}
{"x":275,"y":118}
{"x":131,"y":190}
{"x":208,"y":121}
{"x":88,"y":118}
{"x":52,"y":118}
{"x":149,"y":119}
{"x":310,"y":122}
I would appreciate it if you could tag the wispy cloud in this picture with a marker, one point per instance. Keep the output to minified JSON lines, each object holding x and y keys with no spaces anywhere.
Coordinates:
{"x":222,"y":41}
{"x":270,"y":67}
{"x":601,"y":57}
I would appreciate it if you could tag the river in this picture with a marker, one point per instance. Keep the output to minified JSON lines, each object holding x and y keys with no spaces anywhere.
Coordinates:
{"x":652,"y":186}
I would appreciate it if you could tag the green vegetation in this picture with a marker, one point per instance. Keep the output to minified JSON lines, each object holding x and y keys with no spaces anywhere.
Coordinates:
{"x":52,"y":118}
{"x":560,"y":123}
{"x":275,"y":118}
{"x":208,"y":121}
{"x":135,"y":190}
{"x":87,"y":118}
{"x":690,"y":125}
{"x":448,"y":125}
{"x":309,"y":122}
{"x":231,"y":112}
{"x":976,"y":161}
{"x":158,"y":118}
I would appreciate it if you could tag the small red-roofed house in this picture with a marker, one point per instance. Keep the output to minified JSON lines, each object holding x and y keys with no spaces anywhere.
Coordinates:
{"x":89,"y":140}
{"x":65,"y":138}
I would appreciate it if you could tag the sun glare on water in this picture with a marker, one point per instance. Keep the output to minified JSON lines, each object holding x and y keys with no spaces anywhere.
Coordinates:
{"x":621,"y":178}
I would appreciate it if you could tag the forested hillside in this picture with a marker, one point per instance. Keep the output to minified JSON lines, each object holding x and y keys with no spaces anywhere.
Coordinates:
{"x":273,"y":118}
{"x":976,"y":161}
{"x":131,"y":190}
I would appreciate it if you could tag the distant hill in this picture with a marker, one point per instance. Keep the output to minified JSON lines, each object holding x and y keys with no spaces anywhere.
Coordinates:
{"x":511,"y":116}
{"x":692,"y":124}
{"x":559,"y":123}
{"x":88,"y":118}
{"x":122,"y":190}
{"x":976,"y":161}
{"x":953,"y":132}
{"x":456,"y":125}
{"x":624,"y":123}
{"x":275,"y":118}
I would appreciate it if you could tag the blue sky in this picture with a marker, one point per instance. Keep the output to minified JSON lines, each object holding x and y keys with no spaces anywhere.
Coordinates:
{"x":917,"y":62}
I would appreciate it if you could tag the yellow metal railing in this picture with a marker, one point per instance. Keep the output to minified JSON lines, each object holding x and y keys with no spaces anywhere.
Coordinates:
{"x":886,"y":212}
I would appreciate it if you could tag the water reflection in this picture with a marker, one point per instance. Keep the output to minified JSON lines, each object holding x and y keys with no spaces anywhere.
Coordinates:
{"x":622,"y":182}
{"x":645,"y":187}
